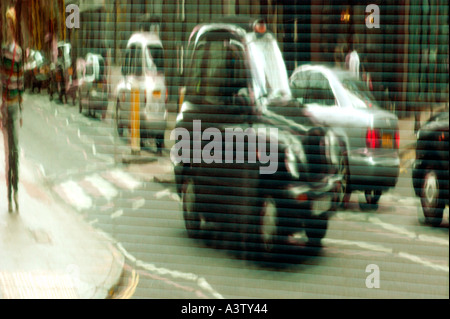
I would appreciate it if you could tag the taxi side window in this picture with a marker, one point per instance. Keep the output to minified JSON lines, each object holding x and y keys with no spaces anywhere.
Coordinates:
{"x":194,"y":71}
{"x":154,"y":56}
{"x":216,"y":71}
{"x":319,"y":90}
{"x":300,"y":86}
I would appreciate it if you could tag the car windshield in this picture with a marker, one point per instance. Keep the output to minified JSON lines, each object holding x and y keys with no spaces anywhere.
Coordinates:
{"x":359,"y":93}
{"x":268,"y":68}
{"x":89,"y":69}
{"x":155,"y":57}
{"x":133,"y":61}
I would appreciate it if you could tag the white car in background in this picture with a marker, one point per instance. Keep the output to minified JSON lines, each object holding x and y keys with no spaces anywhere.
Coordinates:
{"x":143,"y":72}
{"x":93,"y":85}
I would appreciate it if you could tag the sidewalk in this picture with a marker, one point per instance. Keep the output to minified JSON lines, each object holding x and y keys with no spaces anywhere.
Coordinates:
{"x":48,"y":251}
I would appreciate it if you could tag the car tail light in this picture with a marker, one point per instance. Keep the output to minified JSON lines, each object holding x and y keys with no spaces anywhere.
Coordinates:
{"x":373,"y":138}
{"x":167,"y":95}
{"x":302,"y":197}
{"x":397,"y":139}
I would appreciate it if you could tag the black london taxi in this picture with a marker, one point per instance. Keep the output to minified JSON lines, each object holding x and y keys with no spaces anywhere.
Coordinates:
{"x":243,"y":167}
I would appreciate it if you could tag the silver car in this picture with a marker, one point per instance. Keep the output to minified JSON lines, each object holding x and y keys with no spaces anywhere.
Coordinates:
{"x":93,"y":86}
{"x":143,"y":72}
{"x":336,"y":98}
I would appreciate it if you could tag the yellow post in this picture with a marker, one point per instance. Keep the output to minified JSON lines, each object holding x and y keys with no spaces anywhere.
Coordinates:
{"x":135,"y":122}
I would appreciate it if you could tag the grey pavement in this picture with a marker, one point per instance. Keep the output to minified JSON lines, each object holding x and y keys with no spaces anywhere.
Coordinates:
{"x":48,"y":251}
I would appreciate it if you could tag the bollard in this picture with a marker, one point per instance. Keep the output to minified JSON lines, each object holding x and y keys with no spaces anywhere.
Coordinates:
{"x":135,"y":123}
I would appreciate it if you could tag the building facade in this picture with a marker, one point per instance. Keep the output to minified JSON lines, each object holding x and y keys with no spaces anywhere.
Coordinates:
{"x":406,"y":56}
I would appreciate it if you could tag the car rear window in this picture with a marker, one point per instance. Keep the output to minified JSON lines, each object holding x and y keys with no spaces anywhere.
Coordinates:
{"x":156,"y":54}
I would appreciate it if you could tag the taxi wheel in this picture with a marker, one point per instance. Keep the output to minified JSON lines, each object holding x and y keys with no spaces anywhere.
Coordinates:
{"x":345,"y":191}
{"x":372,"y":198}
{"x":316,"y":229}
{"x":189,"y":204}
{"x":432,"y":204}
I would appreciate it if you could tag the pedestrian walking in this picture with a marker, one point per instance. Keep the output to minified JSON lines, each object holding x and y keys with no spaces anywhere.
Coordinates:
{"x":12,"y":82}
{"x":352,"y":62}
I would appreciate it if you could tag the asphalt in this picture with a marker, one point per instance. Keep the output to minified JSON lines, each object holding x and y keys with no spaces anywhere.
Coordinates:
{"x":48,"y":251}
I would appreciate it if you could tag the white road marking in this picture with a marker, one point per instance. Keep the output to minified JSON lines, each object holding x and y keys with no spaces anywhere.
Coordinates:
{"x":163,"y":193}
{"x":117,"y":214}
{"x":393,"y":228}
{"x":434,"y":240}
{"x":124,"y":179}
{"x":424,"y":262}
{"x":200,"y":281}
{"x":76,"y":195}
{"x":361,"y":244}
{"x":167,"y":193}
{"x":138,"y":203}
{"x":105,"y":188}
{"x":383,"y":249}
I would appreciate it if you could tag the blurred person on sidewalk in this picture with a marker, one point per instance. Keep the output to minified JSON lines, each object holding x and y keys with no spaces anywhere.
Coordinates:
{"x":12,"y":82}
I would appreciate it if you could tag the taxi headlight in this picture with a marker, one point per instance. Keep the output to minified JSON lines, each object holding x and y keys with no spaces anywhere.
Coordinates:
{"x":291,"y":163}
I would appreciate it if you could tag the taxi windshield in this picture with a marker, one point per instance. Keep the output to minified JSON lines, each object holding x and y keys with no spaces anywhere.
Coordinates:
{"x":268,"y":67}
